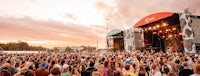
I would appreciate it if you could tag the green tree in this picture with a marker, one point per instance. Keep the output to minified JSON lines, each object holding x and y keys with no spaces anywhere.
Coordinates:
{"x":68,"y":49}
{"x":11,"y":46}
{"x":2,"y":46}
{"x":56,"y":49}
{"x":84,"y":48}
{"x":23,"y":46}
{"x":90,"y":48}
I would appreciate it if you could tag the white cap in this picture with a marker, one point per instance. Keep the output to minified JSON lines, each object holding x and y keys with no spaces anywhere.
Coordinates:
{"x":196,"y":55}
{"x":65,"y":66}
{"x":57,"y":65}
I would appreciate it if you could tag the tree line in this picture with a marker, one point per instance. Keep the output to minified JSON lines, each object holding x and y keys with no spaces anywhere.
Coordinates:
{"x":20,"y":45}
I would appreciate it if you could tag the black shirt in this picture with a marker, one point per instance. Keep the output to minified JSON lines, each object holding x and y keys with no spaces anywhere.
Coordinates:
{"x":185,"y":72}
{"x":88,"y":72}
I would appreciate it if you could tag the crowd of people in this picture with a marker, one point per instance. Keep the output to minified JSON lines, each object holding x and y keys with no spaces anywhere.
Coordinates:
{"x":137,"y":63}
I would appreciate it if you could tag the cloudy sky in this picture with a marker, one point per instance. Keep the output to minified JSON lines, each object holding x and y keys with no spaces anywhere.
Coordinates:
{"x":53,"y":23}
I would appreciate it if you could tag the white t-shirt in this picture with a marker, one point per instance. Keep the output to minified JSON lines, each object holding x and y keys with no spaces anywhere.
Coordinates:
{"x":195,"y":75}
{"x":158,"y":73}
{"x":170,"y":67}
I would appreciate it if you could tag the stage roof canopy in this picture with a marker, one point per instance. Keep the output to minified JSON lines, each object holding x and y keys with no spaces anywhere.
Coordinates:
{"x":114,"y":32}
{"x":152,"y":18}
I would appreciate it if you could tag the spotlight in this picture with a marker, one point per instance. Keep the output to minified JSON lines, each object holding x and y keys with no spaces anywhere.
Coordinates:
{"x":154,"y":27}
{"x":174,"y":28}
{"x":165,"y":24}
{"x":179,"y":33}
{"x":163,"y":36}
{"x":167,"y":30}
{"x":154,"y":32}
{"x":160,"y":31}
{"x":170,"y":36}
{"x":158,"y":26}
{"x":149,"y":28}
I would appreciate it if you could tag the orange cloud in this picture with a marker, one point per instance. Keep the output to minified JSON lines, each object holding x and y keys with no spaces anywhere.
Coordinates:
{"x":63,"y":33}
{"x":128,"y":12}
{"x":122,"y":12}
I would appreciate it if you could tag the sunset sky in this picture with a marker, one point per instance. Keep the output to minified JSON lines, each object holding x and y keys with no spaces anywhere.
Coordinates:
{"x":53,"y":23}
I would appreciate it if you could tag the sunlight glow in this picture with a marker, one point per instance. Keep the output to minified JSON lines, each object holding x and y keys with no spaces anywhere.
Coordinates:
{"x":83,"y":11}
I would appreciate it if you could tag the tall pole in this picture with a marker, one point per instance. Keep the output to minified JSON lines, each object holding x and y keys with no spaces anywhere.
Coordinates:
{"x":107,"y":34}
{"x":97,"y":45}
{"x":97,"y":48}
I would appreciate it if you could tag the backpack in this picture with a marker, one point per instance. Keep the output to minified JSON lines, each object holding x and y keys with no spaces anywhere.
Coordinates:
{"x":87,"y":72}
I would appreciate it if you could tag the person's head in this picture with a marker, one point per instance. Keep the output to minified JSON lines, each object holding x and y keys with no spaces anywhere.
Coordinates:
{"x":119,"y":65}
{"x":55,"y":71}
{"x":117,"y":73}
{"x":171,"y":74}
{"x":185,"y":65}
{"x":165,"y":69}
{"x":23,"y":70}
{"x":17,"y":64}
{"x":31,"y":67}
{"x":134,"y":65}
{"x":142,"y":69}
{"x":62,"y":62}
{"x":155,"y":67}
{"x":106,"y":64}
{"x":53,"y":62}
{"x":198,"y":57}
{"x":197,"y":69}
{"x":128,"y":61}
{"x":29,"y":73}
{"x":65,"y":68}
{"x":44,"y":65}
{"x":91,"y":64}
{"x":5,"y":66}
{"x":5,"y":73}
{"x":57,"y":65}
{"x":170,"y":58}
{"x":103,"y":59}
{"x":127,"y":67}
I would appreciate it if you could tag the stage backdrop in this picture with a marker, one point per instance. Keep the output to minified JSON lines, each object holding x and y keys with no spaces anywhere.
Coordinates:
{"x":187,"y":31}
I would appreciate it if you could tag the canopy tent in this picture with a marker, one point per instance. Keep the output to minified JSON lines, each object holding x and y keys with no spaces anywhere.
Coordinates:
{"x":113,"y":32}
{"x":158,"y":30}
{"x":152,"y":18}
{"x":115,"y":40}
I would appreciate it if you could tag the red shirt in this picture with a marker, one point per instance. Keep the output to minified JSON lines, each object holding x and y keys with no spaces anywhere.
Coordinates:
{"x":41,"y":72}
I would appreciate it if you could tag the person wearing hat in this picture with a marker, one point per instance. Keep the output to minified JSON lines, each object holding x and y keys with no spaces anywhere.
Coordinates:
{"x":65,"y":70}
{"x":127,"y":62}
{"x":42,"y":71}
{"x":8,"y":67}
